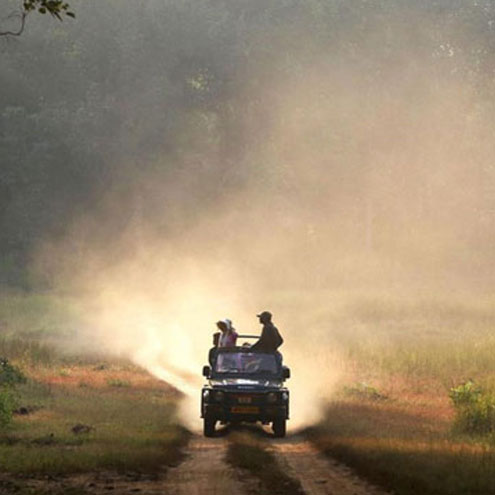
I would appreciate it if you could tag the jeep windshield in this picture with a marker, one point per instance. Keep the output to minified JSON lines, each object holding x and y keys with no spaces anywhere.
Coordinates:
{"x":246,"y":363}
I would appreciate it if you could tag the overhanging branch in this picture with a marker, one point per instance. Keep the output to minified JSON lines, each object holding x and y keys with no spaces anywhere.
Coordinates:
{"x":22,"y":21}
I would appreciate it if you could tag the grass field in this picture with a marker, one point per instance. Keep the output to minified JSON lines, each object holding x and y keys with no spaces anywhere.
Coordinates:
{"x":392,"y":418}
{"x":130,"y":427}
{"x":79,"y":413}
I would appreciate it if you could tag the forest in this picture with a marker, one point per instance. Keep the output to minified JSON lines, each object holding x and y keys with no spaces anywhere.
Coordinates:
{"x":366,"y":125}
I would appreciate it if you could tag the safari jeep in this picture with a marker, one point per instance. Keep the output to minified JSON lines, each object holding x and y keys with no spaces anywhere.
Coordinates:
{"x":245,"y":386}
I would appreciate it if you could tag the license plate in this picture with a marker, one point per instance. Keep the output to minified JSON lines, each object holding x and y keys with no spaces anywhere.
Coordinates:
{"x":245,"y":410}
{"x":244,"y":400}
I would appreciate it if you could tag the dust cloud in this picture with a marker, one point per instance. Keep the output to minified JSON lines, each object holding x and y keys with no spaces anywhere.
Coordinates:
{"x":353,"y":178}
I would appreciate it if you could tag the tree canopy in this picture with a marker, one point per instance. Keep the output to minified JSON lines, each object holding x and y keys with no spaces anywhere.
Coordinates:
{"x":370,"y":113}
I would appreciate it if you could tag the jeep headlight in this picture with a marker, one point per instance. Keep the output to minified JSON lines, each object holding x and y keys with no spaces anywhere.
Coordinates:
{"x":206,"y":394}
{"x":285,"y":396}
{"x":271,"y":398}
{"x":219,"y":395}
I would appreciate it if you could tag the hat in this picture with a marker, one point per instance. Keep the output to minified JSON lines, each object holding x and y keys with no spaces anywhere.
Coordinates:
{"x":265,"y":314}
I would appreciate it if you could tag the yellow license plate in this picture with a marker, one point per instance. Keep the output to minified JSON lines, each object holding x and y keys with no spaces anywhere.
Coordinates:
{"x":245,"y":409}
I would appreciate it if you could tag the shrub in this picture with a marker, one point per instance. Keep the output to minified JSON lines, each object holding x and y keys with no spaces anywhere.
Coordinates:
{"x":465,"y":394}
{"x":10,"y":375}
{"x":475,"y":408}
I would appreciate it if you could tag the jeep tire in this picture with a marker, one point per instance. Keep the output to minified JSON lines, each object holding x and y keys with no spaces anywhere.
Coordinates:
{"x":279,"y":426}
{"x":209,"y":426}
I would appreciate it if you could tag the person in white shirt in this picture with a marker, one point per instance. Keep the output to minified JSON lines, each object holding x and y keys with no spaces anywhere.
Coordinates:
{"x":228,"y":337}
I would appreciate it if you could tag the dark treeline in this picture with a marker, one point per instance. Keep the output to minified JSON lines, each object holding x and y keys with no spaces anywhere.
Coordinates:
{"x":185,"y":90}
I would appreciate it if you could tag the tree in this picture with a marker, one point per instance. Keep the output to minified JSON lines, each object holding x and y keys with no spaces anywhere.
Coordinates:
{"x":56,"y":8}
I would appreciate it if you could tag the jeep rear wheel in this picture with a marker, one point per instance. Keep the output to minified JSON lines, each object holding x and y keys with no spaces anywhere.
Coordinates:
{"x":209,"y":426}
{"x":279,"y":426}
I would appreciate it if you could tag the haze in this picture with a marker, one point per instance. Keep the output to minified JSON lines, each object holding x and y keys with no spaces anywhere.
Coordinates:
{"x":191,"y":161}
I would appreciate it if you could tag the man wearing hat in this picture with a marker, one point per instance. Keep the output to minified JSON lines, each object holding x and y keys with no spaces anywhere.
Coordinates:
{"x":270,"y":339}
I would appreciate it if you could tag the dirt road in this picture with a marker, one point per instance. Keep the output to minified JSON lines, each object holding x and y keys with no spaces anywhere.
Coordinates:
{"x":202,"y":472}
{"x":317,"y":474}
{"x":205,"y":471}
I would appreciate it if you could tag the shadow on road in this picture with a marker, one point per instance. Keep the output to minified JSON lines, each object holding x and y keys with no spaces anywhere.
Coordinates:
{"x":259,"y":430}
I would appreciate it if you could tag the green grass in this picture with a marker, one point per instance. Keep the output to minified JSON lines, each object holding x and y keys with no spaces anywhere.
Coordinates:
{"x":7,"y":405}
{"x":35,"y":326}
{"x":410,"y":471}
{"x":249,"y":451}
{"x":131,"y":415}
{"x":449,"y":340}
{"x":39,"y":329}
{"x":32,"y":315}
{"x":398,"y":426}
{"x":116,"y":382}
{"x":29,"y":351}
{"x":394,"y":423}
{"x":131,"y":428}
{"x":404,"y":452}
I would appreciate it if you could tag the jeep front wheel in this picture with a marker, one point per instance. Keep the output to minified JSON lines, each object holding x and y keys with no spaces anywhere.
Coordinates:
{"x":209,"y":426}
{"x":279,"y":426}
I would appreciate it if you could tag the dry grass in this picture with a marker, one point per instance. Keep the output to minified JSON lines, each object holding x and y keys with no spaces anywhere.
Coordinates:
{"x":131,"y":415}
{"x":405,"y":450}
{"x":101,"y":375}
{"x":405,"y":441}
{"x":132,"y":427}
{"x":411,"y":352}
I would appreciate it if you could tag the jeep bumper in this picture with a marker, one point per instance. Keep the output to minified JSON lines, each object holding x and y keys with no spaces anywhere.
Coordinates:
{"x":250,"y":414}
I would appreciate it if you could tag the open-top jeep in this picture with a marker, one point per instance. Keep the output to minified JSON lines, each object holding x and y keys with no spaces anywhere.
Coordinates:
{"x":245,"y":385}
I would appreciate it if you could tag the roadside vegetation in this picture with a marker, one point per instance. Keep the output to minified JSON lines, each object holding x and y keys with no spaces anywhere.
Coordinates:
{"x":63,"y":413}
{"x":250,"y":451}
{"x":77,"y":423}
{"x":415,"y":410}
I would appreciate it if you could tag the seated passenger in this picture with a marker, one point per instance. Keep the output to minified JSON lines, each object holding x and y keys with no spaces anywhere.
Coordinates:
{"x":270,"y":339}
{"x":213,"y":351}
{"x":228,"y":337}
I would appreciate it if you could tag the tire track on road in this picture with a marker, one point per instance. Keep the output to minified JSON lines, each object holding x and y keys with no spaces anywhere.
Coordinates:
{"x":317,"y":474}
{"x":204,"y":471}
